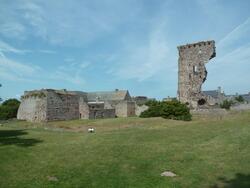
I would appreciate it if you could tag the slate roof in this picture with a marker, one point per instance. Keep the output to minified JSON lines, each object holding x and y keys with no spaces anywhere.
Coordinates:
{"x":212,"y":93}
{"x":116,"y":95}
{"x":108,"y":95}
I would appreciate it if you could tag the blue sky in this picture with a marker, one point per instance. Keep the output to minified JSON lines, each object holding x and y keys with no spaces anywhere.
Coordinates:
{"x":127,"y":44}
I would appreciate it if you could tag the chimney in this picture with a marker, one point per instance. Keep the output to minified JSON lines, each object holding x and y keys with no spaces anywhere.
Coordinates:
{"x":219,"y":89}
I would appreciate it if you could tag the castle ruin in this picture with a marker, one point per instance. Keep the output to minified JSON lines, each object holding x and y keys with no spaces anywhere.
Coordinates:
{"x":192,"y":72}
{"x":50,"y":104}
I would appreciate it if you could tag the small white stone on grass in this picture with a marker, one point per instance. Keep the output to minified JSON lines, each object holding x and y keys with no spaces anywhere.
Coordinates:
{"x":168,"y":174}
{"x":91,"y":130}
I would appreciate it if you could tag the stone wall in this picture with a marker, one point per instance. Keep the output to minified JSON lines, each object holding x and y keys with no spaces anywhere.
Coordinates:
{"x":109,"y":113}
{"x":140,"y":100}
{"x":95,"y":110}
{"x":62,"y":106}
{"x":211,"y":100}
{"x":33,"y":108}
{"x":240,"y":107}
{"x":125,"y":109}
{"x":121,"y":109}
{"x":83,"y":109}
{"x":130,"y":108}
{"x":102,"y":113}
{"x":140,"y":109}
{"x":192,"y":71}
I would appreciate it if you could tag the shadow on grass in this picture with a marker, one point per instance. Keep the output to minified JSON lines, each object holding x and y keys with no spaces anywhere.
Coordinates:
{"x":240,"y":181}
{"x":13,"y":137}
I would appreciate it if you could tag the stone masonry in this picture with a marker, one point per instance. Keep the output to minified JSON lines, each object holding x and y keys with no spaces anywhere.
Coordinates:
{"x":192,"y":72}
{"x":50,"y":104}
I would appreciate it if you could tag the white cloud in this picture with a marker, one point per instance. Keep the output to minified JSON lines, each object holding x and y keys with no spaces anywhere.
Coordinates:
{"x":16,"y":71}
{"x":17,"y":67}
{"x":13,"y":30}
{"x":64,"y":22}
{"x":238,"y":56}
{"x":4,"y":47}
{"x":72,"y":72}
{"x":47,"y":51}
{"x":232,"y":61}
{"x":69,"y":59}
{"x":142,"y":61}
{"x":234,"y":48}
{"x":238,"y":36}
{"x":1,"y":54}
{"x":74,"y":78}
{"x":13,"y":70}
{"x":84,"y":65}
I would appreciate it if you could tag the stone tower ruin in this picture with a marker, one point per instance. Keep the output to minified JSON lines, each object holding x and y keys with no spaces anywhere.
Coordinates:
{"x":192,"y":72}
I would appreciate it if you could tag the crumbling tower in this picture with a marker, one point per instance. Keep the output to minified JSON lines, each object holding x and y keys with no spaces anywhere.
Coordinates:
{"x":192,"y":71}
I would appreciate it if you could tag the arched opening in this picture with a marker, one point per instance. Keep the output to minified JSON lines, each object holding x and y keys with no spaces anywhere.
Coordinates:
{"x":201,"y":102}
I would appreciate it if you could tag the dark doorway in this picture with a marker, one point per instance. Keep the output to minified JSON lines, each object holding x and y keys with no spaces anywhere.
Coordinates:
{"x":201,"y":102}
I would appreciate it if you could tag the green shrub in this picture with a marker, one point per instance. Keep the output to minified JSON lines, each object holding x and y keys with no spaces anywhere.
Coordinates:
{"x":152,"y":103}
{"x":152,"y":111}
{"x":226,"y":104}
{"x":8,"y":109}
{"x":239,"y":98}
{"x":167,"y":109}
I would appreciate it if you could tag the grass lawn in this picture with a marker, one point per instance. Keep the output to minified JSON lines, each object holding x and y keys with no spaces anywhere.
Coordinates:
{"x":127,"y":152}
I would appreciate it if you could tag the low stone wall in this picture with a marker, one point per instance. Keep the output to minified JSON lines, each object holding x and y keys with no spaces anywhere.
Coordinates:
{"x":210,"y":112}
{"x":140,"y":109}
{"x":241,"y":107}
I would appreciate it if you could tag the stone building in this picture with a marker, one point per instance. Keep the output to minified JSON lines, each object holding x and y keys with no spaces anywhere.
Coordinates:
{"x":214,"y":97}
{"x":246,"y":97}
{"x":50,"y":104}
{"x":192,"y":72}
{"x":140,"y":100}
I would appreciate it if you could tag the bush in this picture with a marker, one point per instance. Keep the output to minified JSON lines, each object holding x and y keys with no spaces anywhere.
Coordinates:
{"x":167,"y":109}
{"x":8,"y":109}
{"x":150,"y":103}
{"x":239,"y":98}
{"x":226,"y":104}
{"x":152,"y":111}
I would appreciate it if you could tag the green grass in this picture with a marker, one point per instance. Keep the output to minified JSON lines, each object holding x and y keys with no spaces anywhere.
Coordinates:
{"x":127,"y":152}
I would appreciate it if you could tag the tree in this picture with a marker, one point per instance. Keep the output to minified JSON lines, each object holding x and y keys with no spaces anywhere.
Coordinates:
{"x":8,"y":109}
{"x":0,"y":97}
